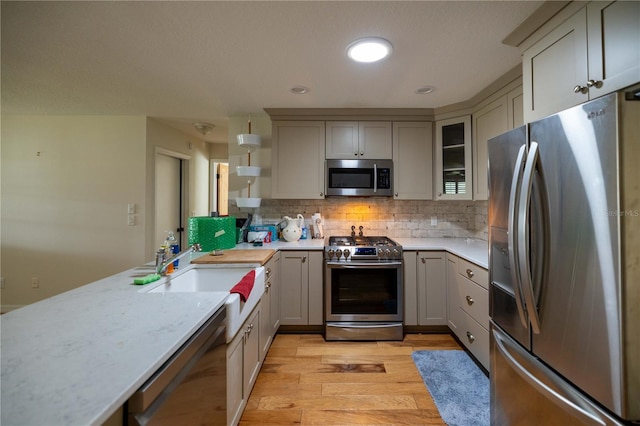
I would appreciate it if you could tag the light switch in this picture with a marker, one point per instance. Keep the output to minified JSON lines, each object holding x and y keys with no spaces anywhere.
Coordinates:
{"x":131,"y":220}
{"x":131,"y":208}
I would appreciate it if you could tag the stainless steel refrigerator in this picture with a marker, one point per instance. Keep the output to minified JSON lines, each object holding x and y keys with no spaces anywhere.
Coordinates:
{"x":564,"y":237}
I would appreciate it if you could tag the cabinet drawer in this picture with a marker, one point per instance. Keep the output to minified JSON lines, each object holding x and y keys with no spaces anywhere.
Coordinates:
{"x":474,"y":300}
{"x":475,"y":273}
{"x":474,"y":337}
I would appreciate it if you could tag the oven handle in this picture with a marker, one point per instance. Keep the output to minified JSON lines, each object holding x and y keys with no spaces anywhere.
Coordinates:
{"x":353,"y":265}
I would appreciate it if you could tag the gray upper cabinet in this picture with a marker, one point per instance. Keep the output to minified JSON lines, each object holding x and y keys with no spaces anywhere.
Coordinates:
{"x":592,"y":53}
{"x":453,"y":159}
{"x":413,"y":160}
{"x":352,"y":140}
{"x":298,"y":160}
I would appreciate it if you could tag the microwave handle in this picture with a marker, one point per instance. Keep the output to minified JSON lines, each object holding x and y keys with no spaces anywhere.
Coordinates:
{"x":375,"y":177}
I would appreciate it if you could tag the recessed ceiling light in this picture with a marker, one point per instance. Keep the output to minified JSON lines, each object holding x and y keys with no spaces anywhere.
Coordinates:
{"x":424,"y":90}
{"x":299,"y":90}
{"x":369,"y":49}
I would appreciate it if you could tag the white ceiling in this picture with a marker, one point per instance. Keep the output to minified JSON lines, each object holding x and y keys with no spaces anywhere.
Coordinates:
{"x":209,"y":60}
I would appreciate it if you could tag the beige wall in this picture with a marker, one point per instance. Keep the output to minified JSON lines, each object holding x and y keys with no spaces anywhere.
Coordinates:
{"x":66,"y":182}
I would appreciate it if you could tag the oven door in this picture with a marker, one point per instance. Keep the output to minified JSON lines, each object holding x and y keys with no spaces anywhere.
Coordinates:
{"x":363,"y":291}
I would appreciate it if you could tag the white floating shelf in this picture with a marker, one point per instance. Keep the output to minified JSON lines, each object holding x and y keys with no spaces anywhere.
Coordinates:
{"x":248,"y":170}
{"x":248,"y":202}
{"x":247,"y":139}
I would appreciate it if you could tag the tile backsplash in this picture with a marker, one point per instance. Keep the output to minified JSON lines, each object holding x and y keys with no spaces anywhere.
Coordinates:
{"x":383,"y":216}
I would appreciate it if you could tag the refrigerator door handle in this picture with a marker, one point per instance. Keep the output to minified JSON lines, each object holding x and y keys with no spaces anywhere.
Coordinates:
{"x":523,"y":237}
{"x":513,"y":235}
{"x":563,"y":396}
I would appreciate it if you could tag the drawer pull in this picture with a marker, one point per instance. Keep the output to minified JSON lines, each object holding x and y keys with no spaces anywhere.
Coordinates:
{"x":470,"y":300}
{"x":470,"y":273}
{"x":470,"y":337}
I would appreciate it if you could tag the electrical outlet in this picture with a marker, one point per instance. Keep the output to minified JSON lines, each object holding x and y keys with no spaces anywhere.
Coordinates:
{"x":131,"y":220}
{"x":434,"y":221}
{"x":35,"y":282}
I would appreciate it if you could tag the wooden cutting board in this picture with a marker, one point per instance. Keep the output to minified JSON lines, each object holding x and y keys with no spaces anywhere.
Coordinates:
{"x":260,"y":256}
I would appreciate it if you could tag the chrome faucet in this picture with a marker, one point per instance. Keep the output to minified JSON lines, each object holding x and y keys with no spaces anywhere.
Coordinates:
{"x":162,"y":266}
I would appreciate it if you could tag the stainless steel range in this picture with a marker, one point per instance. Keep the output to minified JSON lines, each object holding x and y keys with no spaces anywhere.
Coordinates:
{"x":363,"y":288}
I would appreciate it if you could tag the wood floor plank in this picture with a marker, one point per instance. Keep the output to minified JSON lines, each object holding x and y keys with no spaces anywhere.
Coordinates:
{"x":372,"y":388}
{"x":338,"y":402}
{"x":371,"y":417}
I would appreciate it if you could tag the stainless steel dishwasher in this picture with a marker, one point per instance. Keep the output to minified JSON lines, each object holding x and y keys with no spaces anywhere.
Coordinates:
{"x":190,"y":388}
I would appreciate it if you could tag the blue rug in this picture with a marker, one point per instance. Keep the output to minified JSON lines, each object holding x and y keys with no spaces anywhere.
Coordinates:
{"x":458,"y":387}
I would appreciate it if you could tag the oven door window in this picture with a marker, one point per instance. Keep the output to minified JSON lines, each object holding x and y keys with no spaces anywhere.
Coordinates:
{"x":364,"y":291}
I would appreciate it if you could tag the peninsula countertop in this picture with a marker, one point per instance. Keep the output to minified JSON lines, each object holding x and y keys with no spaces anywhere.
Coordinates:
{"x":75,"y":358}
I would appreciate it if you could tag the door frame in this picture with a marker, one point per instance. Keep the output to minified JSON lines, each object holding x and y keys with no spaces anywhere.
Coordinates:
{"x":213,"y":182}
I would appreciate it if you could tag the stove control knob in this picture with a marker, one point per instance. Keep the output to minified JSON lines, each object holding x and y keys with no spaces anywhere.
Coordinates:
{"x":331,"y":252}
{"x":387,"y":252}
{"x":396,"y":253}
{"x":346,"y":253}
{"x":338,"y":254}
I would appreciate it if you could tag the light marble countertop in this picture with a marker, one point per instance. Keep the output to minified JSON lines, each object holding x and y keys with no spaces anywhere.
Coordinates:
{"x":475,"y":251}
{"x":75,"y":358}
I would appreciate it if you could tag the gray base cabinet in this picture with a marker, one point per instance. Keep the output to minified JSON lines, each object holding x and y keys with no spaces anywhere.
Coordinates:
{"x":468,"y":305}
{"x":425,"y":288}
{"x":243,"y":365}
{"x":301,"y":288}
{"x":270,"y":305}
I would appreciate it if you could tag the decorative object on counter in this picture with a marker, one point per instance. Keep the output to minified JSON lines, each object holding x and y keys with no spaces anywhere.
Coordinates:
{"x":317,"y":224}
{"x":213,"y":233}
{"x":250,"y":141}
{"x":458,"y":387}
{"x":293,"y":231}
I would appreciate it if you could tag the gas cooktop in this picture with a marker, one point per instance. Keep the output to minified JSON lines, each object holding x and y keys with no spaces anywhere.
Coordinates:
{"x":376,"y":248}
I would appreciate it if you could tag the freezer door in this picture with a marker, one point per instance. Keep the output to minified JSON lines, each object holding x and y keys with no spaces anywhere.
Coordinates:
{"x":578,"y":300}
{"x":525,"y":392}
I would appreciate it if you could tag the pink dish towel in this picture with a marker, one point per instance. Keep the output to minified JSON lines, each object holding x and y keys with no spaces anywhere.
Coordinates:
{"x":245,"y":285}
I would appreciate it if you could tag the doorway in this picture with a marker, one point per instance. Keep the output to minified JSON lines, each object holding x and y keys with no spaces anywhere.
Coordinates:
{"x":219,"y":190}
{"x":170,"y":198}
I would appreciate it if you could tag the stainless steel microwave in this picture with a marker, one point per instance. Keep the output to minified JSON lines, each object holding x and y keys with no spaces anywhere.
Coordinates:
{"x":359,"y":178}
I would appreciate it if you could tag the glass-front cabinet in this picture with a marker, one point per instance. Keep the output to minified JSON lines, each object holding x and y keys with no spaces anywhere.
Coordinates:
{"x":453,"y":159}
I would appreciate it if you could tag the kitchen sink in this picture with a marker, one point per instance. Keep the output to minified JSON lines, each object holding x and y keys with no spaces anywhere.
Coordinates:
{"x":218,"y":278}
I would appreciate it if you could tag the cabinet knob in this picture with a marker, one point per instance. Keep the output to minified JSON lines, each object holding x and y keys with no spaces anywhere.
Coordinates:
{"x":470,"y":337}
{"x":594,"y":83}
{"x":304,"y":259}
{"x":469,"y":273}
{"x":322,"y":194}
{"x":470,"y":300}
{"x":423,"y":260}
{"x":355,"y":153}
{"x":267,"y":286}
{"x":267,"y":272}
{"x":361,"y":152}
{"x":396,"y":194}
{"x":580,"y":89}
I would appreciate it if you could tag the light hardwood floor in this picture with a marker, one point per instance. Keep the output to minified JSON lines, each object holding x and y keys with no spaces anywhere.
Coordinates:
{"x":305,"y":380}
